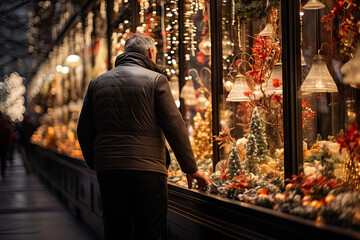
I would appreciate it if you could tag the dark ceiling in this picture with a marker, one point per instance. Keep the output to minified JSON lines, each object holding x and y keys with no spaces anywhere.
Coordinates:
{"x":14,"y":54}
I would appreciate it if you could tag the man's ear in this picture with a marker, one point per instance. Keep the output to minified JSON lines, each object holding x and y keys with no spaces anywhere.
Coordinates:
{"x":149,"y":53}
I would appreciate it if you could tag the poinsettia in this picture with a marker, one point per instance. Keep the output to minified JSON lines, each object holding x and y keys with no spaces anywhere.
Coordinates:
{"x":351,"y":140}
{"x":277,"y":98}
{"x":316,"y":187}
{"x":276,"y":82}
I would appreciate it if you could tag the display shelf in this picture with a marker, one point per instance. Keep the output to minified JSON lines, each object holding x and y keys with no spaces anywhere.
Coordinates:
{"x":209,"y":216}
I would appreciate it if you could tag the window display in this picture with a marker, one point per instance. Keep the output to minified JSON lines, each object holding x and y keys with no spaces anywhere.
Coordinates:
{"x":251,"y":137}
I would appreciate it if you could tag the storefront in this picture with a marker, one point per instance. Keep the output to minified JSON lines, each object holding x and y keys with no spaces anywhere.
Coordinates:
{"x":268,"y":90}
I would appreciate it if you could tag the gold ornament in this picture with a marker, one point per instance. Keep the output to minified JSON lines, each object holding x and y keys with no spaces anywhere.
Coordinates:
{"x":202,"y":135}
{"x":351,"y":174}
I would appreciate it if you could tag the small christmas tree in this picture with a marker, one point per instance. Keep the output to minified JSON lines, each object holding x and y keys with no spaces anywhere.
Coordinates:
{"x":234,"y":163}
{"x":251,"y":158}
{"x":327,"y":164}
{"x":257,"y":129}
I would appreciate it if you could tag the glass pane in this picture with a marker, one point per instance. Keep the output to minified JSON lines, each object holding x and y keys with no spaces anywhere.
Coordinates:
{"x":100,"y":49}
{"x":196,"y":90}
{"x":122,"y":20}
{"x":160,"y":21}
{"x":323,"y":112}
{"x":195,"y":94}
{"x":329,"y":97}
{"x":251,"y":166}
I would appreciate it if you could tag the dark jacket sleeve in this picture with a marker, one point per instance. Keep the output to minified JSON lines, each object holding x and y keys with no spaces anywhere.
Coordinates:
{"x":86,"y":130}
{"x":173,"y":125}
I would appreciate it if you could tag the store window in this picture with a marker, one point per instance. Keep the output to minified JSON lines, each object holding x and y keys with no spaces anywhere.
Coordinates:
{"x":329,"y":103}
{"x":251,"y":106}
{"x":195,"y":93}
{"x":123,"y":27}
{"x":161,"y":22}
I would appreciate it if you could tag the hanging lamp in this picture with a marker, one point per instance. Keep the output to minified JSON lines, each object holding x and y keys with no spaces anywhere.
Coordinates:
{"x":72,"y":60}
{"x":205,"y":44}
{"x":313,"y":5}
{"x":202,"y":101}
{"x":188,"y":93}
{"x":268,"y":30}
{"x":276,"y":73}
{"x":319,"y":79}
{"x":237,"y":92}
{"x":303,"y":62}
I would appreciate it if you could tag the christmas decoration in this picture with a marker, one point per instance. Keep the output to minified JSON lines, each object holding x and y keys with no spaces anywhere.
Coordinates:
{"x":319,"y":79}
{"x":343,"y":23}
{"x":257,"y":129}
{"x":234,"y":163}
{"x":327,"y":164}
{"x":251,"y":159}
{"x":265,"y":54}
{"x":202,"y":134}
{"x":253,"y":9}
{"x":350,"y":143}
{"x":234,"y":167}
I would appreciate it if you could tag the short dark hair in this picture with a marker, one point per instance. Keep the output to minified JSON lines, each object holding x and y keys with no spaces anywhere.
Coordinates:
{"x":140,"y":43}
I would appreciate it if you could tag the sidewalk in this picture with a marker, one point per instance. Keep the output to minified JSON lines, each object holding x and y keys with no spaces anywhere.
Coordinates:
{"x":29,"y":211}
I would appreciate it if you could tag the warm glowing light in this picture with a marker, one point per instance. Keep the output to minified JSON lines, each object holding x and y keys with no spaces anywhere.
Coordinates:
{"x":65,"y":70}
{"x":58,"y":68}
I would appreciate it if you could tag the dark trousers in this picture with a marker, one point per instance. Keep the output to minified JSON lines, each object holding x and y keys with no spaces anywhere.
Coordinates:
{"x":134,"y":204}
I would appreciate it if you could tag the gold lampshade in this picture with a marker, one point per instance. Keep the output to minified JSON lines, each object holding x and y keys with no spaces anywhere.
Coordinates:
{"x":237,"y":92}
{"x":276,"y":73}
{"x":313,"y":5}
{"x":319,"y":79}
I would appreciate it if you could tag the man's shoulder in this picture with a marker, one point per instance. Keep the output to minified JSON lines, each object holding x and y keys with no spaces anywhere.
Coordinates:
{"x":133,"y":70}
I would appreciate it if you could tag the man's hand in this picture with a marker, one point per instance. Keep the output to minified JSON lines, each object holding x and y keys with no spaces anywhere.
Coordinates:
{"x":201,"y":179}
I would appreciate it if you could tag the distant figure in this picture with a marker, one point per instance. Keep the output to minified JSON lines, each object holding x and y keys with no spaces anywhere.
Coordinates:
{"x":26,"y":128}
{"x":126,"y":113}
{"x":12,"y":139}
{"x":4,"y":142}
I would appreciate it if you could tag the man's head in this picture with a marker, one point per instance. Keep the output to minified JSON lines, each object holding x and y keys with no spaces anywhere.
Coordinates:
{"x":143,"y":44}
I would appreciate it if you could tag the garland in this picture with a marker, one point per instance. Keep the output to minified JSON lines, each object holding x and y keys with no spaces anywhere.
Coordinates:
{"x":248,"y":10}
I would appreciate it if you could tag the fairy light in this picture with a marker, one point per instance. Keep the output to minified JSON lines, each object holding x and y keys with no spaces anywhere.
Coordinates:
{"x":14,"y":102}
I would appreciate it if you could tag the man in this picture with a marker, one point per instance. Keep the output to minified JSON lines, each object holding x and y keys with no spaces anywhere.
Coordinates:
{"x":125,"y":114}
